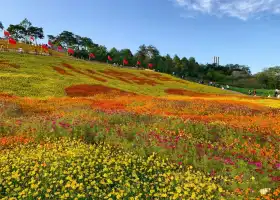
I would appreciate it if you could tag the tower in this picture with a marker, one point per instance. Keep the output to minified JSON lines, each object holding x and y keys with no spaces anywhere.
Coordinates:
{"x":216,"y":60}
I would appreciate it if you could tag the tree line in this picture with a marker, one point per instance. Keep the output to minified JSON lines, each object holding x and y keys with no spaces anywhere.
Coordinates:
{"x":187,"y":68}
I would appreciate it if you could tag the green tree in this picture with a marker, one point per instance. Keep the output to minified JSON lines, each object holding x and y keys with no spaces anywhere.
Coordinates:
{"x":169,"y":64}
{"x":100,"y":53}
{"x":67,"y":39}
{"x":1,"y":25}
{"x":86,"y":43}
{"x":115,"y":55}
{"x":26,"y":25}
{"x":127,"y":54}
{"x":141,"y":53}
{"x":17,"y":32}
{"x":36,"y":32}
{"x":270,"y":77}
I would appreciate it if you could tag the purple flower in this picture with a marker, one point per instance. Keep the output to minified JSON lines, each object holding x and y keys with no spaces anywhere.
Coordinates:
{"x":278,"y":165}
{"x":258,"y":164}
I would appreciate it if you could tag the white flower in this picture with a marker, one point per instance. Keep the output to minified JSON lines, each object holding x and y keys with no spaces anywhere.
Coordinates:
{"x":264,"y":191}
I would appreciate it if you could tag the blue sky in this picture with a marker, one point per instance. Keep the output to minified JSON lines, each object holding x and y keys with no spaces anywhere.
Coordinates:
{"x":238,"y":31}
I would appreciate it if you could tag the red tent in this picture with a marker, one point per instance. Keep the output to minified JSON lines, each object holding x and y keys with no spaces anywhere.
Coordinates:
{"x":150,"y":65}
{"x":109,"y":58}
{"x":138,"y":62}
{"x":59,"y":48}
{"x":49,"y":43}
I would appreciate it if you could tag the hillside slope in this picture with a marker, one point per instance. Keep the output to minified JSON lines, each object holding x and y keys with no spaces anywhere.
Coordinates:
{"x":45,"y":76}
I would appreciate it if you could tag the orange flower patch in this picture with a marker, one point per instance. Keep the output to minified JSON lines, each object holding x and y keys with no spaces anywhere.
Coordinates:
{"x":186,"y":93}
{"x":83,"y":73}
{"x":11,"y":140}
{"x":108,"y":105}
{"x":4,"y":95}
{"x":62,"y":71}
{"x":91,"y":71}
{"x":129,"y":77}
{"x":91,"y":90}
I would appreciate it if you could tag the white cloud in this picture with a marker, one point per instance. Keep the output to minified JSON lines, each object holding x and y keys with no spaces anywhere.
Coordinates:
{"x":242,"y":9}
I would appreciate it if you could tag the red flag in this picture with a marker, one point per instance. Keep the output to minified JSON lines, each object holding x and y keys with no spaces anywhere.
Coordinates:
{"x":12,"y":41}
{"x":125,"y":62}
{"x":109,"y":58}
{"x":59,"y":48}
{"x":138,"y":62}
{"x":6,"y":34}
{"x":32,"y":38}
{"x":70,"y":51}
{"x":91,"y":55}
{"x":49,"y":43}
{"x":150,"y":65}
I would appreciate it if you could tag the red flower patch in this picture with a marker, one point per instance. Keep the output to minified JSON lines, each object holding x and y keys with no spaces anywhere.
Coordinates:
{"x":91,"y":90}
{"x":156,"y":76}
{"x":186,"y":93}
{"x":129,"y":77}
{"x":62,"y":71}
{"x":83,"y":73}
{"x":143,"y":81}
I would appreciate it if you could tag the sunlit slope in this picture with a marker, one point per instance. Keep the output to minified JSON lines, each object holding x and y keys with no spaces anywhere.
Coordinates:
{"x":45,"y":76}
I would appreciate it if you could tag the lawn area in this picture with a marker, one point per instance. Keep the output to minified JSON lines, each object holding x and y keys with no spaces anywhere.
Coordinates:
{"x":72,"y":129}
{"x":260,"y":92}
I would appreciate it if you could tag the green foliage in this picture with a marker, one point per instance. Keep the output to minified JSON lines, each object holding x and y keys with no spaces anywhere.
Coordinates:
{"x":25,"y":29}
{"x":1,"y":25}
{"x":182,"y":68}
{"x":270,"y":78}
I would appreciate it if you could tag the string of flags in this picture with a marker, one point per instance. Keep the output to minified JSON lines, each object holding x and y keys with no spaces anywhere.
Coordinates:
{"x":70,"y":51}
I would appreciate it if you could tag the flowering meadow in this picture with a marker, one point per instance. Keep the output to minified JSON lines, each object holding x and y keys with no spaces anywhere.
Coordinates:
{"x":131,"y":134}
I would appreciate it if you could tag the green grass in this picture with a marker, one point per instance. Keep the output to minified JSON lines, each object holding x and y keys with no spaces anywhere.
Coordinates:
{"x":36,"y":77}
{"x":260,"y":92}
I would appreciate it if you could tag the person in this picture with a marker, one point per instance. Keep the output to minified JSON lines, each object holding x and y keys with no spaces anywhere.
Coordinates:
{"x":223,"y":88}
{"x":227,"y":87}
{"x":276,"y":93}
{"x":255,"y":93}
{"x":20,"y":50}
{"x":250,"y":92}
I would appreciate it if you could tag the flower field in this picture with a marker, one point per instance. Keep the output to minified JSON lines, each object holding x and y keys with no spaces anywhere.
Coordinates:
{"x":76,"y":130}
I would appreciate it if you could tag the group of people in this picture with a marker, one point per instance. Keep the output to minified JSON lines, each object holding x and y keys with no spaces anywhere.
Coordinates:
{"x":215,"y":85}
{"x":276,"y":93}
